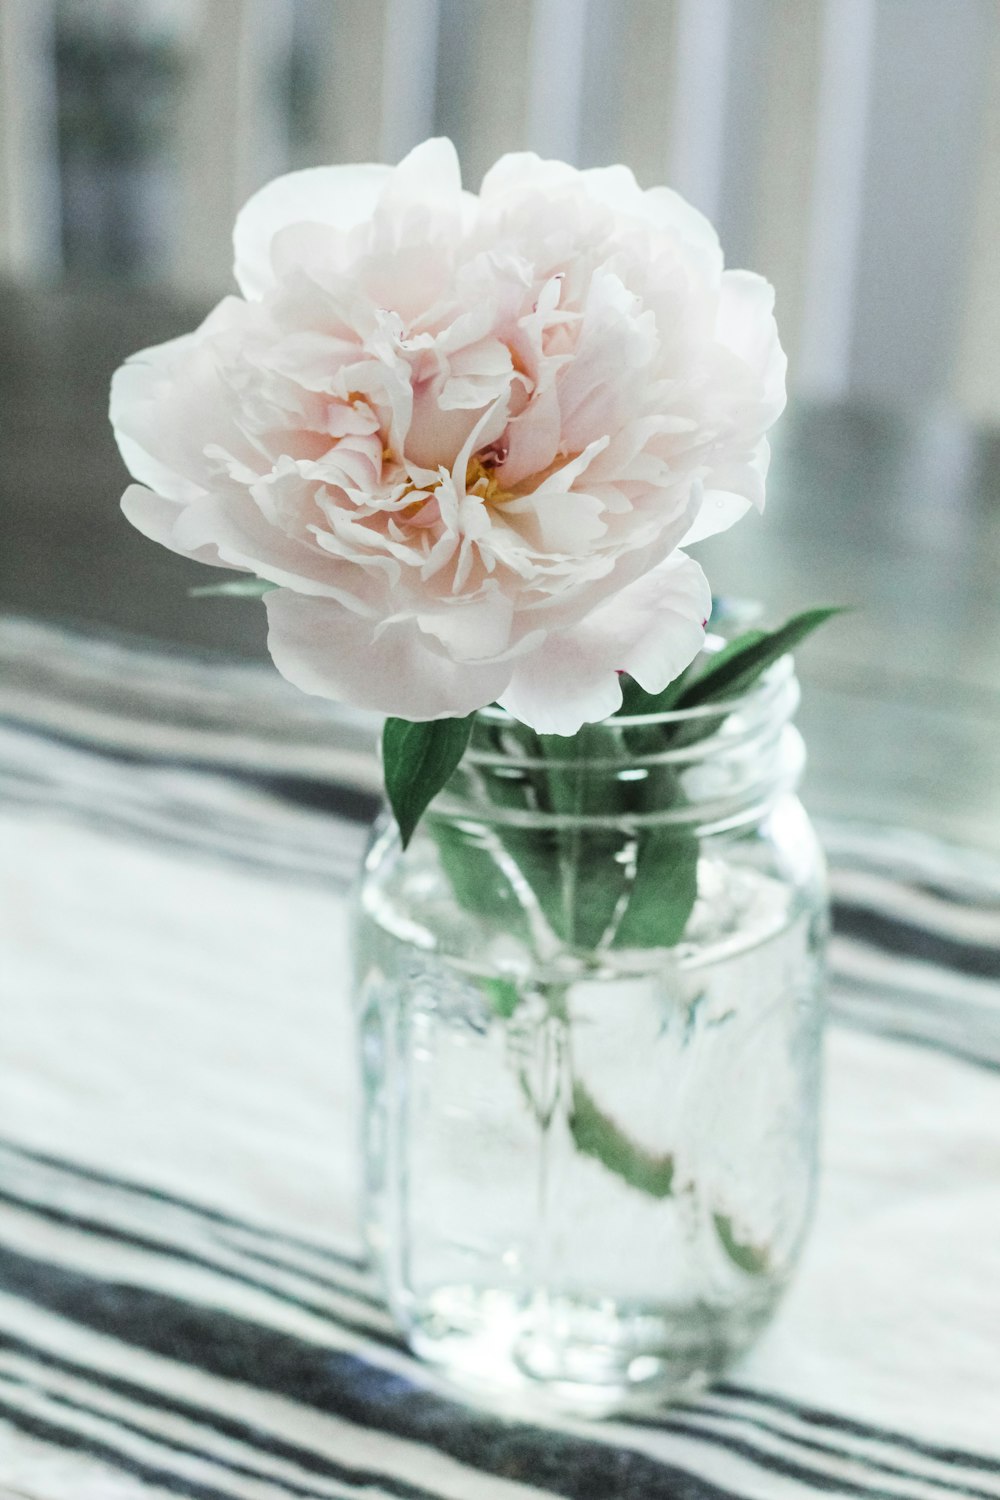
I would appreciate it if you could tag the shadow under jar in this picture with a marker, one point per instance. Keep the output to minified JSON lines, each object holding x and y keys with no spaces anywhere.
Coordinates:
{"x":590,"y":1008}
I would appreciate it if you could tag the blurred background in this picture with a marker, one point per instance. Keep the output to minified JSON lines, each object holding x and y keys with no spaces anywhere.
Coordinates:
{"x":847,"y":149}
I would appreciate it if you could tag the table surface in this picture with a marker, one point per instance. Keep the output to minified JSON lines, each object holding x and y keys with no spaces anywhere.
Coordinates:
{"x":183,"y":1309}
{"x":183,"y":1306}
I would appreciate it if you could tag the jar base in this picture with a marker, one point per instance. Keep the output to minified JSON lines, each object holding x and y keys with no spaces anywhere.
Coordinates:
{"x":580,"y":1358}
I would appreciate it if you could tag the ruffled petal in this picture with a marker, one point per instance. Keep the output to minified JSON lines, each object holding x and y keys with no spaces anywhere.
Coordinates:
{"x":653,"y":629}
{"x":524,"y":172}
{"x":735,"y":488}
{"x":245,"y":538}
{"x":338,"y":196}
{"x":660,"y":621}
{"x":429,"y":175}
{"x":168,"y":404}
{"x":462,"y":436}
{"x":473,"y":630}
{"x":745,"y":324}
{"x":156,"y":517}
{"x":397,"y":669}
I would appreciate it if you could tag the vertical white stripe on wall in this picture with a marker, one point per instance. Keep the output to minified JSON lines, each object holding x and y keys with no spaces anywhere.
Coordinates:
{"x":719,"y":60}
{"x":646,"y":109}
{"x":926,"y":112}
{"x":837,"y":203}
{"x":30,"y":220}
{"x":902,"y":98}
{"x":555,"y":77}
{"x":786,"y":143}
{"x":698,"y":123}
{"x":409,"y":65}
{"x":605,"y":83}
{"x":743,"y":110}
{"x":976,"y":367}
{"x":232,"y":129}
{"x":377,"y":69}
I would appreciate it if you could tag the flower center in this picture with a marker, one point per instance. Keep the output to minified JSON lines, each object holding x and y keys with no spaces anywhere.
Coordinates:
{"x":481,"y":480}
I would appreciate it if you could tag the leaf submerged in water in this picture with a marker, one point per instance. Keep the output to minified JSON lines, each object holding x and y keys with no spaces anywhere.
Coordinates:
{"x":596,"y":1134}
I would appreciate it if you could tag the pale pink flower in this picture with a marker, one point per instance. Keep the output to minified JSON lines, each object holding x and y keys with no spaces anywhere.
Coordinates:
{"x":465,"y":435}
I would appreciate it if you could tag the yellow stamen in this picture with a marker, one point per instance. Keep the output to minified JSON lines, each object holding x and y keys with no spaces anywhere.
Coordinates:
{"x":479,"y":480}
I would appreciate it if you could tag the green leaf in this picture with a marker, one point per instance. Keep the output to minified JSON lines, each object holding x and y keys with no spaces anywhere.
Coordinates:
{"x":479,"y":883}
{"x":504,"y":996}
{"x":664,"y":890}
{"x":417,"y":760}
{"x":237,"y":588}
{"x":733,"y":650}
{"x":591,"y":882}
{"x":509,"y":874}
{"x":750,"y":1258}
{"x":737,"y":666}
{"x":729,"y":672}
{"x":581,"y":887}
{"x":596,"y":1134}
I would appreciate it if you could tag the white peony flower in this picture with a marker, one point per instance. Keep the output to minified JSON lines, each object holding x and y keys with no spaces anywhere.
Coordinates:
{"x":464,"y":435}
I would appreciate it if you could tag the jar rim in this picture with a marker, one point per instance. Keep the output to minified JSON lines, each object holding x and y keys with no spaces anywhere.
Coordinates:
{"x":766,"y":687}
{"x":752,"y":707}
{"x":744,"y":753}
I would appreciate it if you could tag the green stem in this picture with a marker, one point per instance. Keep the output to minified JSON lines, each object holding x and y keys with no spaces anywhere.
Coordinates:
{"x":571,"y":848}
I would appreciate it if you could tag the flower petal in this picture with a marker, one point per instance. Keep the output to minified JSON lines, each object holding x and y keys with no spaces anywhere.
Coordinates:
{"x":662,"y":209}
{"x":245,"y":538}
{"x":429,"y":175}
{"x":168,"y":404}
{"x":729,"y":493}
{"x":156,"y":517}
{"x":524,"y":172}
{"x":339,"y":196}
{"x":473,"y":630}
{"x":576,"y":334}
{"x":745,"y":324}
{"x":653,"y":629}
{"x":660,"y":621}
{"x":398,"y":669}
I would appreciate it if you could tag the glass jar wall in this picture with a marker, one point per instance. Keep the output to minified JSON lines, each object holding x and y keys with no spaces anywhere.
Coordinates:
{"x":590,"y":999}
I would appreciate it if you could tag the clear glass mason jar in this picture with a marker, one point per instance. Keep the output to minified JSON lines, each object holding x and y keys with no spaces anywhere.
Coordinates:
{"x":590,"y":1005}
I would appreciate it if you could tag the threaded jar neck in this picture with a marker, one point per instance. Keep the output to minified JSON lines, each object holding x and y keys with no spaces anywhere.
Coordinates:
{"x":717,"y":766}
